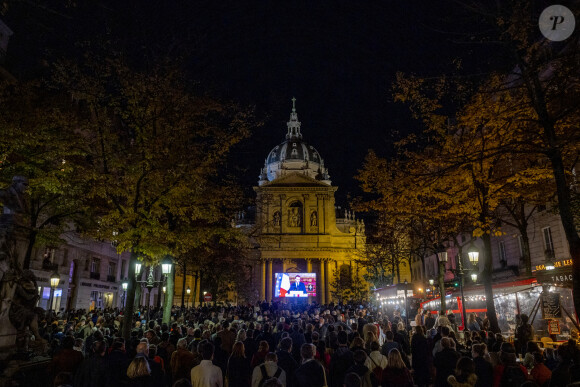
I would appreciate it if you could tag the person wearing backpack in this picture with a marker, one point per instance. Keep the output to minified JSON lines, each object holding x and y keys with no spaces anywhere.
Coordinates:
{"x":509,"y":373}
{"x":376,"y":361}
{"x":367,"y":377}
{"x":267,"y":370}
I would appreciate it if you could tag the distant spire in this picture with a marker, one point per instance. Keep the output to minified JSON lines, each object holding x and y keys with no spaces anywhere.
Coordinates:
{"x":293,"y":124}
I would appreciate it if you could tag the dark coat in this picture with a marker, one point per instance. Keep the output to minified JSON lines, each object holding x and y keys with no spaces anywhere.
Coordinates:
{"x":118,"y":363}
{"x":445,"y":361}
{"x":365,"y":375}
{"x":341,"y":360}
{"x":310,"y":374}
{"x":483,"y":371}
{"x":238,"y":372}
{"x":422,"y":358}
{"x":93,"y":372}
{"x":396,"y":377}
{"x":289,"y":365}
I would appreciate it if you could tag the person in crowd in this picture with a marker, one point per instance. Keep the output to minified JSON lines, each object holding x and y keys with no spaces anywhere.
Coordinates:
{"x":352,"y":380}
{"x":260,"y":355}
{"x":94,"y":371}
{"x":445,"y":361}
{"x":524,"y":333}
{"x":421,"y":357}
{"x":182,"y":361}
{"x":550,"y":360}
{"x":531,"y":348}
{"x":472,"y":324}
{"x":66,"y":360}
{"x":368,"y":378}
{"x":464,"y":374}
{"x":139,"y":372}
{"x":429,"y":320}
{"x":238,"y":370}
{"x":286,"y":361}
{"x":310,"y":373}
{"x":206,"y":374}
{"x":561,"y":374}
{"x":297,"y":340}
{"x":437,"y":347}
{"x":376,"y":361}
{"x":227,"y":336}
{"x":267,"y":370}
{"x":389,"y":343}
{"x":540,"y":373}
{"x":509,"y":372}
{"x":483,"y":368}
{"x":340,"y":361}
{"x":442,"y":321}
{"x":118,"y":363}
{"x":396,"y":374}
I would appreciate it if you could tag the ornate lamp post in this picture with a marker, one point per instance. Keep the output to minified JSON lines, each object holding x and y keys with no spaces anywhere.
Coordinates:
{"x":124,"y":285}
{"x":442,"y":259}
{"x":150,"y":283}
{"x":188,"y":291}
{"x":54,"y":281}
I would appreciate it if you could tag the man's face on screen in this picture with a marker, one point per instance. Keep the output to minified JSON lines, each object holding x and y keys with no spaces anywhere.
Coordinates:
{"x":297,"y":279}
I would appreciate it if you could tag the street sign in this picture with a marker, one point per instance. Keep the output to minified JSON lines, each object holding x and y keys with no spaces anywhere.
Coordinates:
{"x":207,"y":297}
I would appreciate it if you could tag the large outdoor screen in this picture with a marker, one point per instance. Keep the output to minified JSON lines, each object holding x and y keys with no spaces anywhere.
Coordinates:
{"x":295,"y":285}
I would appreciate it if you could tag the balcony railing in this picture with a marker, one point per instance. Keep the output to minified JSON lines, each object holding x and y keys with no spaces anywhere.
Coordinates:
{"x":111,"y":278}
{"x":95,"y":276}
{"x":49,"y":266}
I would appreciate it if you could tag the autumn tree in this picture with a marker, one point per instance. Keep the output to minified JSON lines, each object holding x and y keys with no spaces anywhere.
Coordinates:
{"x":531,"y":100}
{"x":35,"y":143}
{"x":153,"y":148}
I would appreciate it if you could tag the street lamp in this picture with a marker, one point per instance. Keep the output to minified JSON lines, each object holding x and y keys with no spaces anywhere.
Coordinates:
{"x":188,"y":291}
{"x":150,"y":283}
{"x":54,"y":281}
{"x":124,"y":285}
{"x":442,"y":258}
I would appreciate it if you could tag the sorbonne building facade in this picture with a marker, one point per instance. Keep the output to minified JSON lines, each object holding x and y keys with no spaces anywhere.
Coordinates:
{"x":299,"y":228}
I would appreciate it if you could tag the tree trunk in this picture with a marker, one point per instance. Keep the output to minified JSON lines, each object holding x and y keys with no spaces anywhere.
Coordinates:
{"x":567,"y":218}
{"x":195,"y":295}
{"x":526,"y":253}
{"x":487,"y":283}
{"x":183,"y":285}
{"x":442,"y":286}
{"x":130,"y":300}
{"x":200,"y":287}
{"x":169,"y":292}
{"x":28,"y":255}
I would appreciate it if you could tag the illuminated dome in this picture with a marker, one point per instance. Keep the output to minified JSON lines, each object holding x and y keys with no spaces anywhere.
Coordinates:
{"x":294,"y":156}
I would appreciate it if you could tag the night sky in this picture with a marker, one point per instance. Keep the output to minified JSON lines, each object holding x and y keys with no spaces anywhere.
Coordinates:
{"x":338,"y":58}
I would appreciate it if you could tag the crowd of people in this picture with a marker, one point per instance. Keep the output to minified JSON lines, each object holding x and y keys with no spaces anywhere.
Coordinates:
{"x":296,"y":346}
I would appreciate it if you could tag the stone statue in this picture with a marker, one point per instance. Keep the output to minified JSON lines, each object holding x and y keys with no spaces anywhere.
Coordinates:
{"x":295,"y":220}
{"x":18,"y":288}
{"x":313,"y":219}
{"x":276,"y":219}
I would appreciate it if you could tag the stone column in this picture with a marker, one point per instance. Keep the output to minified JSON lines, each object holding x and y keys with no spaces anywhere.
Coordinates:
{"x":309,"y":265}
{"x":321,"y":213}
{"x":326,"y":287}
{"x":284,"y":265}
{"x":263,"y":281}
{"x":322,"y":283}
{"x":269,"y":281}
{"x":283,"y":214}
